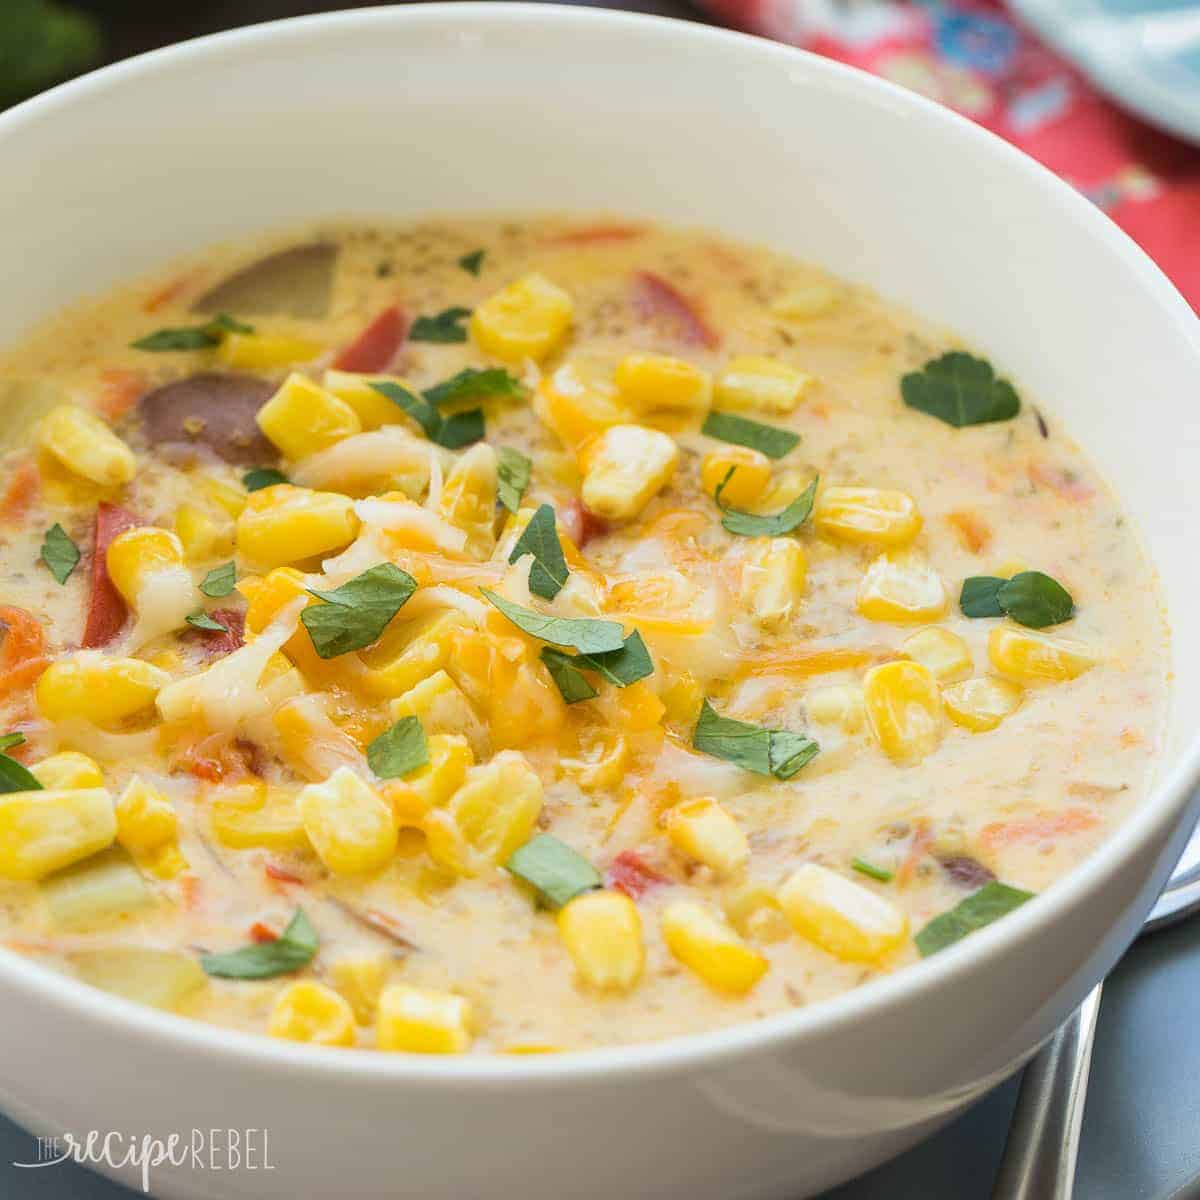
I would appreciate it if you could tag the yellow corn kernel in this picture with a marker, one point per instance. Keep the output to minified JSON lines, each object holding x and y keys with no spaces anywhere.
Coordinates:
{"x":981,"y":704}
{"x":97,"y":688}
{"x":646,"y":382}
{"x":373,"y":408}
{"x":603,"y":758}
{"x":805,"y":302}
{"x":705,"y":832}
{"x":84,"y":444}
{"x":900,"y":586}
{"x":844,"y":918}
{"x":944,"y":654}
{"x":146,"y":819}
{"x":682,"y":697}
{"x":750,"y":479}
{"x":204,"y":534}
{"x":166,"y":862}
{"x":864,"y":515}
{"x":422,"y":1021}
{"x":433,"y":784}
{"x":1029,"y":657}
{"x":409,"y":652}
{"x":251,"y":817}
{"x":306,"y":1011}
{"x":638,"y":709}
{"x":602,"y":932}
{"x":443,"y":708}
{"x":527,"y":319}
{"x":285,"y":524}
{"x":753,"y":910}
{"x":360,"y":979}
{"x":578,"y":405}
{"x":302,"y":418}
{"x":904,"y":709}
{"x":68,"y":769}
{"x":267,"y":594}
{"x":137,"y":555}
{"x":44,"y":831}
{"x":349,"y":824}
{"x":840,"y":704}
{"x":225,"y":496}
{"x":624,"y":468}
{"x":468,"y":499}
{"x":763,"y":384}
{"x":773,"y":578}
{"x":705,"y":943}
{"x":260,"y":351}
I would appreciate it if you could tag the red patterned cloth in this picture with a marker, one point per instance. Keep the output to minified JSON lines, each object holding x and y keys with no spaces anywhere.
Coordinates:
{"x":975,"y":57}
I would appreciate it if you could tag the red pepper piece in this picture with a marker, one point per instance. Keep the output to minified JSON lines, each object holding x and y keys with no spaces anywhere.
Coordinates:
{"x":581,"y":523}
{"x":654,"y":297}
{"x":628,"y":873}
{"x":217,"y":645}
{"x":377,"y":345}
{"x":106,"y":610}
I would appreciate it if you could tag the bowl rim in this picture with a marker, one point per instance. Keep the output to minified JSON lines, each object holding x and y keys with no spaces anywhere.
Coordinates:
{"x":1162,"y":808}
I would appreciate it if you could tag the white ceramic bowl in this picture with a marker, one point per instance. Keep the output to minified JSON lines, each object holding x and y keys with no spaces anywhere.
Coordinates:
{"x":490,"y":106}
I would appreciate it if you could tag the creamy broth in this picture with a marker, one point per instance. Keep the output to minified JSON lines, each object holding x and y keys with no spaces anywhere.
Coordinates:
{"x":777,"y":631}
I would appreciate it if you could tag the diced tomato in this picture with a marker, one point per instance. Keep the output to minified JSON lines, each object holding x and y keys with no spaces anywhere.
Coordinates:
{"x":21,"y":651}
{"x":106,"y":610}
{"x":654,"y":297}
{"x":215,"y":644}
{"x":377,"y":345}
{"x":581,"y":523}
{"x":120,"y":390}
{"x":22,"y":491}
{"x":590,"y":234}
{"x":629,"y":873}
{"x":260,"y":932}
{"x":279,"y":875}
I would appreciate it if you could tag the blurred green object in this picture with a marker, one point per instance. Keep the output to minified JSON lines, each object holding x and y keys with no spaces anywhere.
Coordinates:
{"x":43,"y":43}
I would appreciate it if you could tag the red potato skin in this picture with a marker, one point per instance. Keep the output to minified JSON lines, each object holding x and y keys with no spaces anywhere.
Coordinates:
{"x":217,"y":645}
{"x":654,"y":297}
{"x":210,"y":412}
{"x":377,"y":346}
{"x":106,"y":611}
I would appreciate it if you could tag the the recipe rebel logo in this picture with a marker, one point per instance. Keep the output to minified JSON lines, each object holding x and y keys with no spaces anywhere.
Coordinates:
{"x":198,"y":1150}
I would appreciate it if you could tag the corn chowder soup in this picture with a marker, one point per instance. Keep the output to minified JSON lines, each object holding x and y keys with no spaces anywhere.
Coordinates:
{"x":538,"y":635}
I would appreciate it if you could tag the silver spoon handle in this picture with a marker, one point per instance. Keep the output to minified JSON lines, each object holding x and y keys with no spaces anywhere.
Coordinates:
{"x":1043,"y":1140}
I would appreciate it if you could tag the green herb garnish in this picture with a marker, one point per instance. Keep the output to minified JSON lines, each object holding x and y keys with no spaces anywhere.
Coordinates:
{"x":258,"y":478}
{"x":746,"y":524}
{"x":460,"y":429}
{"x":293,"y":949}
{"x":557,"y":872}
{"x":585,"y":634}
{"x":446,"y":326}
{"x":219,"y":581}
{"x":355,"y":614}
{"x":454,"y":431}
{"x":471,"y":383}
{"x":622,"y":667}
{"x":570,"y":681}
{"x":513,"y":474}
{"x":870,"y":869}
{"x":59,"y":553}
{"x":548,"y":573}
{"x":472,"y":262}
{"x":1030,"y":598}
{"x":192,"y":337}
{"x":980,"y":596}
{"x":399,"y":750}
{"x":13,"y":776}
{"x":960,"y":390}
{"x":201,"y":620}
{"x":981,"y":908}
{"x":776,"y":752}
{"x":9,"y":740}
{"x":741,"y":431}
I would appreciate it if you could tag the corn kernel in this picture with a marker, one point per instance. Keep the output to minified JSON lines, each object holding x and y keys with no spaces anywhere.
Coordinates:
{"x":204,"y":535}
{"x":705,"y":943}
{"x":84,"y":444}
{"x":863,"y":515}
{"x":624,"y":468}
{"x":900,"y":586}
{"x":750,"y":479}
{"x":682,"y":697}
{"x":303,"y":418}
{"x":225,"y":496}
{"x":763,"y":384}
{"x":360,"y":979}
{"x":422,"y":1021}
{"x":1029,"y":657}
{"x":578,"y":405}
{"x":97,"y":688}
{"x":705,"y":832}
{"x":68,"y":769}
{"x":137,"y":556}
{"x":409,"y":652}
{"x":603,"y":757}
{"x":349,"y":824}
{"x":285,"y":524}
{"x":251,"y":817}
{"x":805,"y":302}
{"x":373,"y":408}
{"x":167,"y":862}
{"x":944,"y":654}
{"x":443,"y":708}
{"x":146,"y":819}
{"x":434,"y":783}
{"x":646,"y":382}
{"x":773,"y":579}
{"x":468,"y":499}
{"x":527,"y":319}
{"x":904,"y":709}
{"x":981,"y":704}
{"x":844,"y":918}
{"x":261,"y":351}
{"x":753,"y":910}
{"x":840,"y":704}
{"x":602,"y":932}
{"x":44,"y":831}
{"x":306,"y":1011}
